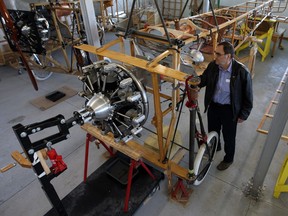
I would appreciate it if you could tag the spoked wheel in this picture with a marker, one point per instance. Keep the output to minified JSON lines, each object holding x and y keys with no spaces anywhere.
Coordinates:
{"x":202,"y":161}
{"x":41,"y":74}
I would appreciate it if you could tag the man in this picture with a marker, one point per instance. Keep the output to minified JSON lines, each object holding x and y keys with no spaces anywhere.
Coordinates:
{"x":228,"y":97}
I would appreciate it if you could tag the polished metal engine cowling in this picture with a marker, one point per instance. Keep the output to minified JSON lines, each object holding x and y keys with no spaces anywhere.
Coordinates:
{"x":116,"y":100}
{"x":100,"y":106}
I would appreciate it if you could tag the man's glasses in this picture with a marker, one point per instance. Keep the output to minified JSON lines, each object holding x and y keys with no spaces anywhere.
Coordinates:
{"x":219,"y":54}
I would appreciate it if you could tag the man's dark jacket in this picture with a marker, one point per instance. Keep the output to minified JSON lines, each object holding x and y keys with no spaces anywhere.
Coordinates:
{"x":240,"y":88}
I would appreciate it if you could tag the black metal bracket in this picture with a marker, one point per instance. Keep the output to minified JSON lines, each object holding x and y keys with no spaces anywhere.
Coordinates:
{"x":23,"y":134}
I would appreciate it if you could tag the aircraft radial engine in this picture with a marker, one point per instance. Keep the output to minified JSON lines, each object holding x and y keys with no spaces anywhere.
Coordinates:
{"x":116,"y":100}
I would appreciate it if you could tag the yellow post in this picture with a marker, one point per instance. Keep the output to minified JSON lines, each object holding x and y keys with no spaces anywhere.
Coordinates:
{"x":264,"y":52}
{"x":282,"y":178}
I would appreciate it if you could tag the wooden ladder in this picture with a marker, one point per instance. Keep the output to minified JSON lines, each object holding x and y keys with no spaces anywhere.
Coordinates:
{"x":267,"y":117}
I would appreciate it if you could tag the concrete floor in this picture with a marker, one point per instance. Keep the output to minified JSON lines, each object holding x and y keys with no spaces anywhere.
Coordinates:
{"x":221,"y":193}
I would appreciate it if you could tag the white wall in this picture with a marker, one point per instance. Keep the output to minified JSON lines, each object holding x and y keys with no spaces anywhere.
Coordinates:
{"x":231,"y":3}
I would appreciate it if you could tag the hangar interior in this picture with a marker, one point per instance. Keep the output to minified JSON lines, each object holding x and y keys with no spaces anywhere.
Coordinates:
{"x":90,"y":88}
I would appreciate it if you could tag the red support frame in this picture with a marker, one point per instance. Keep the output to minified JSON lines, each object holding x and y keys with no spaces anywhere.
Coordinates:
{"x":179,"y":187}
{"x":133,"y":165}
{"x":89,"y":138}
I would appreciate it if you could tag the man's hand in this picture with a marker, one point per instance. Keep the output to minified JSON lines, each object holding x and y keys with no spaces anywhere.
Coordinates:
{"x":240,"y":120}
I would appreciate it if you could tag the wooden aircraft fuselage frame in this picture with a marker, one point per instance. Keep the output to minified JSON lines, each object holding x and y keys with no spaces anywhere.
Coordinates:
{"x":239,"y":13}
{"x":60,"y":44}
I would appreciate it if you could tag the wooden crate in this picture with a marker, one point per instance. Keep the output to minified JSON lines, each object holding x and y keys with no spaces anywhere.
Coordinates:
{"x":136,"y":16}
{"x":153,"y":18}
{"x":6,"y":54}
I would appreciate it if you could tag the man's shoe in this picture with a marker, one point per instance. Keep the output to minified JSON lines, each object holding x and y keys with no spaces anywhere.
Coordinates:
{"x":223,"y":165}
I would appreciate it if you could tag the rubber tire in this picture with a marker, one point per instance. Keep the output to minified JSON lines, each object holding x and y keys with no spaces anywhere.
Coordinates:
{"x":39,"y":74}
{"x":212,"y":141}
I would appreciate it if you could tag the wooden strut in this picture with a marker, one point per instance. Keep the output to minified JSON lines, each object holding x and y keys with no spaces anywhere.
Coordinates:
{"x":156,"y":69}
{"x":233,"y":14}
{"x":136,"y":151}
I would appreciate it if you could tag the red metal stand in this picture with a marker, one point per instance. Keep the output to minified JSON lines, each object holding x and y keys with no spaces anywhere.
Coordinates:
{"x":133,"y":165}
{"x":180,"y":192}
{"x":128,"y":188}
{"x":89,"y":138}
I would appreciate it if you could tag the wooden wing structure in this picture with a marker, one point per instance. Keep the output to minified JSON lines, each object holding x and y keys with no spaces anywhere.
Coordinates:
{"x":167,"y":41}
{"x":66,"y":29}
{"x":204,"y":30}
{"x":63,"y":27}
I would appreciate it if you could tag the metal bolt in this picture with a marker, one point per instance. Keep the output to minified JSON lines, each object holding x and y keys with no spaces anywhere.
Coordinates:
{"x":38,"y":129}
{"x":68,"y":136}
{"x":23,"y":134}
{"x":62,"y":121}
{"x":31,"y":151}
{"x":34,"y":130}
{"x":49,"y":144}
{"x":74,"y":123}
